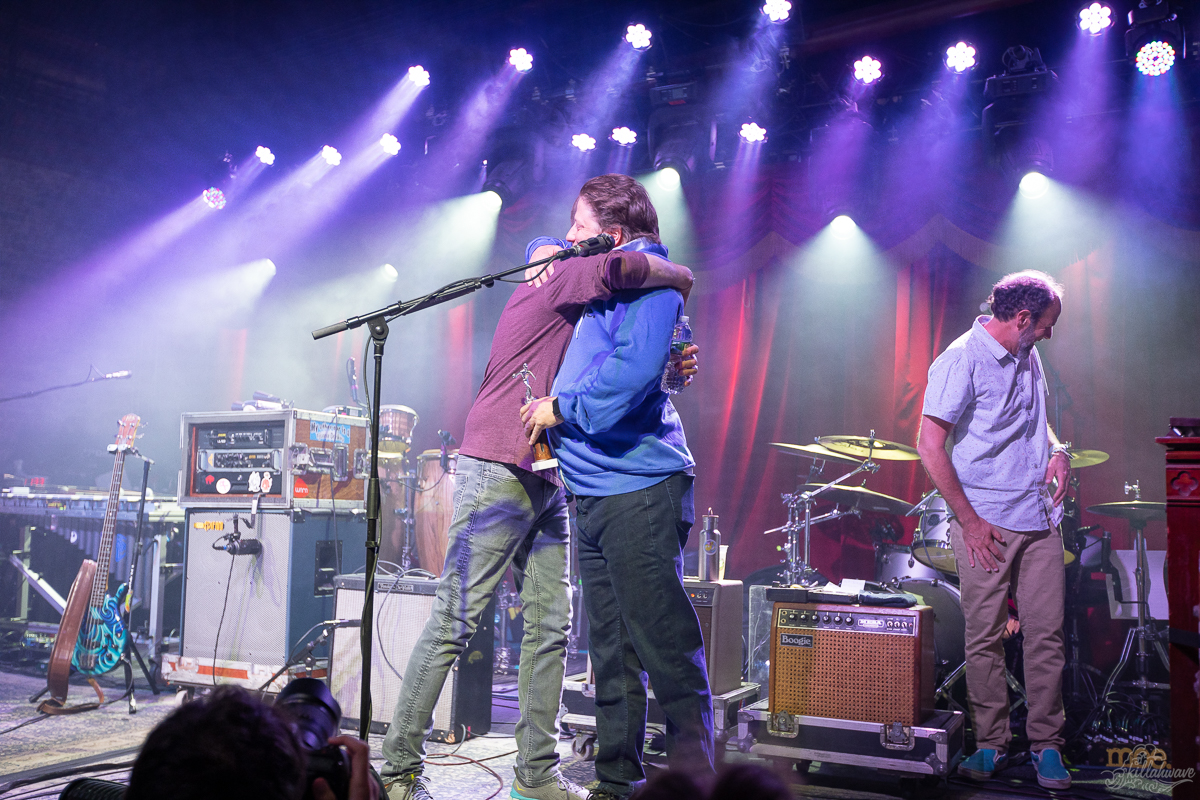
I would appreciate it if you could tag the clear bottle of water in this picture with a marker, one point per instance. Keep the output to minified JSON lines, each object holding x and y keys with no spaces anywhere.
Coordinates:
{"x":681,"y":338}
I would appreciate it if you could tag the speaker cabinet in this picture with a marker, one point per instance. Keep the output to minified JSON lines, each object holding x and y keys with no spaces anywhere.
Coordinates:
{"x":718,"y":606}
{"x":254,"y":609}
{"x":869,"y":664}
{"x":402,"y":607}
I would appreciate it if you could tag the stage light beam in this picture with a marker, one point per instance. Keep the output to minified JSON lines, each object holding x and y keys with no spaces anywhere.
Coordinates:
{"x":777,"y":11}
{"x":842,"y":226}
{"x":390,"y":144}
{"x":418,"y":75}
{"x":960,"y":57}
{"x":265,"y":155}
{"x":583,"y":142}
{"x":624,"y":137}
{"x":1034,"y":185}
{"x":521,"y":60}
{"x":214,"y":197}
{"x":389,"y":272}
{"x":867,"y":70}
{"x":331,"y":155}
{"x":751,"y":132}
{"x":638,"y":36}
{"x":1095,"y":19}
{"x":668,"y":179}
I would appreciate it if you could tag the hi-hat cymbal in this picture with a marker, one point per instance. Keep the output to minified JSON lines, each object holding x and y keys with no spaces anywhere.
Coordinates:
{"x":815,"y":451}
{"x":1132,"y":510}
{"x":1086,"y":458}
{"x":860,"y":497}
{"x":864,"y":447}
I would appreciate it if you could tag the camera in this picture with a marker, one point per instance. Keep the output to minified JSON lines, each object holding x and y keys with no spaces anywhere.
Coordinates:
{"x":315,"y":716}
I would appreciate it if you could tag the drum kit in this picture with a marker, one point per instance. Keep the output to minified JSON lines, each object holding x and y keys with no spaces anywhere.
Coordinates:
{"x":928,"y":570}
{"x":417,"y":500}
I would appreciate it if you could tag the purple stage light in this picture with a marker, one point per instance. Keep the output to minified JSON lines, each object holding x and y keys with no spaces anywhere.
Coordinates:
{"x":390,"y":144}
{"x":214,"y":197}
{"x":1155,"y":58}
{"x":751,"y":133}
{"x":961,"y":57}
{"x":520,"y":59}
{"x":583,"y":142}
{"x":777,"y":10}
{"x":265,"y":155}
{"x":624,"y":137}
{"x":332,"y":156}
{"x":418,"y":76}
{"x":1095,"y":18}
{"x":638,"y":36}
{"x":867,"y":70}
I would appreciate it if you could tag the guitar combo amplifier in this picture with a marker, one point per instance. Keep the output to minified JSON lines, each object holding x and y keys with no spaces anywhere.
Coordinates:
{"x":282,"y":459}
{"x":850,"y":662}
{"x":718,"y":606}
{"x":402,"y":606}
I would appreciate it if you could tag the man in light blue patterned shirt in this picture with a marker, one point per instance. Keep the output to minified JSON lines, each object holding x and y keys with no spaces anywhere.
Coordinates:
{"x":1004,"y":482}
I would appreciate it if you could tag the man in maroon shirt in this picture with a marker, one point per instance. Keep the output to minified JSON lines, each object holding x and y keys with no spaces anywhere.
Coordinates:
{"x":507,"y":514}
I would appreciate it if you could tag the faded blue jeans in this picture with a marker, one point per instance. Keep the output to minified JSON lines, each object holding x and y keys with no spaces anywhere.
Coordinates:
{"x":502,"y":515}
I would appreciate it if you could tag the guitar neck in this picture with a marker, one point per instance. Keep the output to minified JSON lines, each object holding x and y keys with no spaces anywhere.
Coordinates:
{"x":104,"y":557}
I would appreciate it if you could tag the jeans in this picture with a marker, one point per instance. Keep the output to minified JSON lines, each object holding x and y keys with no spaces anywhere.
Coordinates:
{"x":502,"y":515}
{"x":641,"y":622}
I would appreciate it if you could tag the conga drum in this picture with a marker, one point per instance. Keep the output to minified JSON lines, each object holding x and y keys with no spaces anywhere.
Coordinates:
{"x":396,"y":425}
{"x":434,"y":508}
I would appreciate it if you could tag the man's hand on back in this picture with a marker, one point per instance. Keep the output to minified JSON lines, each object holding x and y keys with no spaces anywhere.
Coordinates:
{"x":536,"y":276}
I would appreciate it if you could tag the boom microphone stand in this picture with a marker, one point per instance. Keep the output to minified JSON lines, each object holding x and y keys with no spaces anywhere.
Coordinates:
{"x":377,"y":323}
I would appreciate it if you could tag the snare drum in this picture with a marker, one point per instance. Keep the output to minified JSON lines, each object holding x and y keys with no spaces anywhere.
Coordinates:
{"x":895,"y":563}
{"x":396,"y":425}
{"x":434,"y":508}
{"x":949,"y":625}
{"x":931,"y":540}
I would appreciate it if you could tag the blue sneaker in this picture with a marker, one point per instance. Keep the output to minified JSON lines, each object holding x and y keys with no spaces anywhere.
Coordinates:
{"x":982,"y":764}
{"x":1050,"y":770}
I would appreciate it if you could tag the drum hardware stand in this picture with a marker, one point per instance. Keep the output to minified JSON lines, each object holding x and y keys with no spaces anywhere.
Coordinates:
{"x":944,"y":691}
{"x":1078,"y":688}
{"x":799,"y":572}
{"x":377,"y":323}
{"x":1145,"y":630}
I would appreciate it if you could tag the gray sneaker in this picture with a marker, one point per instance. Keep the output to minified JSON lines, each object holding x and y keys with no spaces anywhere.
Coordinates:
{"x":559,"y":789}
{"x":408,"y":787}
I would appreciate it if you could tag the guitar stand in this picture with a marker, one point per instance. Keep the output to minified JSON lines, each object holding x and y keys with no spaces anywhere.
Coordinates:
{"x":130,"y":645}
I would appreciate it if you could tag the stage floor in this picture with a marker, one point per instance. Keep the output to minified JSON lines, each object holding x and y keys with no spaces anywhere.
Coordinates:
{"x":40,"y":755}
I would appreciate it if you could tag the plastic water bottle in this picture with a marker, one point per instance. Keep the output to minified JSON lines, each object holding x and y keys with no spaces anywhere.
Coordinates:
{"x":681,"y":337}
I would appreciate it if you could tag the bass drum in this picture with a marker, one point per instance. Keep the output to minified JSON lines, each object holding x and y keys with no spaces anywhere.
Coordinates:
{"x":894,"y":564}
{"x":949,"y":625}
{"x":434,"y":508}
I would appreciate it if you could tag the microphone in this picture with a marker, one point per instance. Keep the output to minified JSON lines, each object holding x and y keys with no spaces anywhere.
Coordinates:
{"x":109,"y":376}
{"x":244,"y":547}
{"x":342,"y":623}
{"x":448,"y":441}
{"x":590,"y":247}
{"x":352,"y":374}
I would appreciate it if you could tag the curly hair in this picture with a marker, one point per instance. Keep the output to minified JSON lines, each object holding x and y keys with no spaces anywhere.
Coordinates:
{"x":621,"y":202}
{"x":228,"y":745}
{"x":1029,"y":289}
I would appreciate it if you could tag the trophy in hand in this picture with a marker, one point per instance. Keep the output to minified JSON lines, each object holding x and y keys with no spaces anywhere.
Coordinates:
{"x":542,"y":457}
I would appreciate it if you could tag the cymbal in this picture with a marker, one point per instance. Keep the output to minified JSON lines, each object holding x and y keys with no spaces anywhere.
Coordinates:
{"x":1132,"y":510}
{"x":815,"y":451}
{"x":863,"y":446}
{"x":1086,"y":458}
{"x":860,"y":497}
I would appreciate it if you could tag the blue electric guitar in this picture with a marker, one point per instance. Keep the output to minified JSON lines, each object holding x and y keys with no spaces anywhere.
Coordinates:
{"x":91,"y":636}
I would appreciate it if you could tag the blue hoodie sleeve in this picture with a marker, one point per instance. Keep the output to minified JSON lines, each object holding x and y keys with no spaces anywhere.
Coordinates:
{"x":541,"y":240}
{"x":607,"y":391}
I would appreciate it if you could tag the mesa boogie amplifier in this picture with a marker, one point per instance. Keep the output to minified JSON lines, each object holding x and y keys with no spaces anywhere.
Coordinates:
{"x":285,"y":459}
{"x":851,"y":662}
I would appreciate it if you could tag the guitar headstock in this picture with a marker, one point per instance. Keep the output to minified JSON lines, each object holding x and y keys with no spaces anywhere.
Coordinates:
{"x":128,"y":431}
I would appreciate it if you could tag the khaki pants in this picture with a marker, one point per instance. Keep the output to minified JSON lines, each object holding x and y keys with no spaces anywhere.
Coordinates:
{"x":1033,"y":567}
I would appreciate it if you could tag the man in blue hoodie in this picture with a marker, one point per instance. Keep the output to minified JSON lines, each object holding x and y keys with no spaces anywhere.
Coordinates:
{"x":624,"y":456}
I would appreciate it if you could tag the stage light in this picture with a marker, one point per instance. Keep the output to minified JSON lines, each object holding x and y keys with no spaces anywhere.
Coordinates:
{"x":960,"y":57}
{"x":390,"y":144}
{"x":493,"y":199}
{"x":1155,"y":58}
{"x":1034,"y":185}
{"x":520,"y":59}
{"x":418,"y":76}
{"x":332,"y":157}
{"x":751,"y":133}
{"x":583,"y":142}
{"x":1095,"y":19}
{"x":777,"y":10}
{"x":265,"y":155}
{"x":842,"y":226}
{"x":638,"y":36}
{"x":390,"y":272}
{"x":867,"y":70}
{"x":668,"y":178}
{"x":1155,"y":39}
{"x":509,"y":179}
{"x":624,"y":137}
{"x":214,"y":197}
